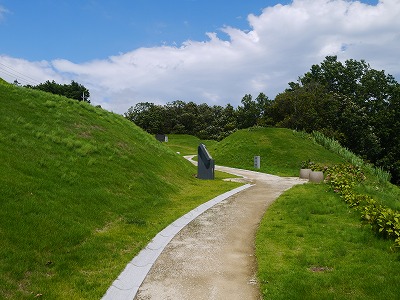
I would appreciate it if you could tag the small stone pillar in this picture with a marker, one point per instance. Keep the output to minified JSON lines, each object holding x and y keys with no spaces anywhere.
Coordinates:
{"x":257,"y":162}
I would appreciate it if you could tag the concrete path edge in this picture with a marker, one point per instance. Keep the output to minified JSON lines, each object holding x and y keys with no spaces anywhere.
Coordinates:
{"x":128,"y":282}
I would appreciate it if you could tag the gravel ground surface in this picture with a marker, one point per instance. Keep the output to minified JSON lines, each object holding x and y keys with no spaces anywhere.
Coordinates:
{"x":213,"y":256}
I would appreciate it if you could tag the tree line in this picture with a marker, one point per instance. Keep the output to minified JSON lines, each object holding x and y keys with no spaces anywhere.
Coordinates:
{"x":204,"y":121}
{"x":351,"y":102}
{"x":73,"y":90}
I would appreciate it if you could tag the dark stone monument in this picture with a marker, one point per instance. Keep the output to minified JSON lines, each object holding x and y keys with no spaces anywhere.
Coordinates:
{"x":161,"y":137}
{"x":205,"y":164}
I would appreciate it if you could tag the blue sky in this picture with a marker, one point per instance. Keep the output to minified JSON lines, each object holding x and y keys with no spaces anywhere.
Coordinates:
{"x":84,"y":30}
{"x":192,"y":50}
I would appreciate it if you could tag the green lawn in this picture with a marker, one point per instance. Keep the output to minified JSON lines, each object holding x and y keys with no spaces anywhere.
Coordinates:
{"x":310,"y":245}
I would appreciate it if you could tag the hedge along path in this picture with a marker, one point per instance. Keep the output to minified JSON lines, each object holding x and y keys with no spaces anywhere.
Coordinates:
{"x":213,"y":256}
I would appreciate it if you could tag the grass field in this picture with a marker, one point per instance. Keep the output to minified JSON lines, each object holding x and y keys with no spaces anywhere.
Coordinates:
{"x":310,"y":245}
{"x":82,"y":191}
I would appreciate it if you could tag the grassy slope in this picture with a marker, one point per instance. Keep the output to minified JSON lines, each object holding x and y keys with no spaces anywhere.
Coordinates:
{"x":82,"y":191}
{"x":386,"y":193}
{"x":186,"y":144}
{"x":281,"y":151}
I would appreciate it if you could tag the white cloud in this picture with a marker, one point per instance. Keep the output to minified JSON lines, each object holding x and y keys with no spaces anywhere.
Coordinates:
{"x":283,"y":43}
{"x":27,"y":72}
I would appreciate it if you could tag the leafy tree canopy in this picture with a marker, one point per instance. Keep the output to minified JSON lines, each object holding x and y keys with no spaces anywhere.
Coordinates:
{"x":201,"y":120}
{"x":351,"y":102}
{"x":73,"y":90}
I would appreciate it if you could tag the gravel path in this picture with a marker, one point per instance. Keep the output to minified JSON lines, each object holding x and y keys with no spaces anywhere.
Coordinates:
{"x":213,"y":256}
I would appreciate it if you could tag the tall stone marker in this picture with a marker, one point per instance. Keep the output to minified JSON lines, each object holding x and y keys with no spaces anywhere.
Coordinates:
{"x":205,"y":164}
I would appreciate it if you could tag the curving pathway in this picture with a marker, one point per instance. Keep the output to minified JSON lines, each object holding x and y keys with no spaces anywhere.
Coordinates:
{"x":208,"y":253}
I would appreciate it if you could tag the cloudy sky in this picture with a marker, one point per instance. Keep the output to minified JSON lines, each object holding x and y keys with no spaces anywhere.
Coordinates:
{"x":212,"y":51}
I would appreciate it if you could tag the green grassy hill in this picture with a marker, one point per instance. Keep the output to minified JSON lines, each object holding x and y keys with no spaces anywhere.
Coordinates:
{"x":186,"y":144}
{"x":82,"y":191}
{"x":281,"y":151}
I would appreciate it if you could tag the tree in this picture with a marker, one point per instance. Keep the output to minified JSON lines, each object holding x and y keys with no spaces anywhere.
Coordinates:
{"x":337,"y":77}
{"x":387,"y":124}
{"x":148,"y":116}
{"x":264,"y":106}
{"x":204,"y":121}
{"x":230,"y":116}
{"x":248,"y":114}
{"x":73,"y":90}
{"x":306,"y":108}
{"x":349,"y":101}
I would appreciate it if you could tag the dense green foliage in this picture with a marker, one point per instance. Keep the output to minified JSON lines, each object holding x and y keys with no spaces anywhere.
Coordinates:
{"x":351,"y":102}
{"x":204,"y":121}
{"x":310,"y":245}
{"x":82,"y":191}
{"x":73,"y":90}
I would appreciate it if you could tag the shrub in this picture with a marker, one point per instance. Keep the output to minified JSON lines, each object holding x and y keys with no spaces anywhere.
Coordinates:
{"x":308,"y":164}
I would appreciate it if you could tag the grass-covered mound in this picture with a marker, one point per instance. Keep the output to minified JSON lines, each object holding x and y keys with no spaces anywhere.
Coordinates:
{"x":281,"y":150}
{"x":186,"y":144}
{"x":82,"y":191}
